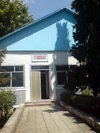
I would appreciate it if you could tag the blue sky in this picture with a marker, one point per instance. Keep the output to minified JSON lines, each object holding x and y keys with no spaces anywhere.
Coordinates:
{"x":40,"y":8}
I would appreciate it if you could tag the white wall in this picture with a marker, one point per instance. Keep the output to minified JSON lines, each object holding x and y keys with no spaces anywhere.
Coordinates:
{"x":24,"y":58}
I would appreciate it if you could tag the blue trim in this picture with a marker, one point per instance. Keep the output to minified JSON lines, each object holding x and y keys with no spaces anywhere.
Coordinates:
{"x":41,"y":19}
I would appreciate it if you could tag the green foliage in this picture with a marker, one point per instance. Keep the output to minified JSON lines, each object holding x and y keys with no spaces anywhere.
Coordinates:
{"x":2,"y":54}
{"x":87,"y":92}
{"x":71,"y":83}
{"x":4,"y":79}
{"x":76,"y":78}
{"x":7,"y":100}
{"x":88,"y":104}
{"x":13,"y":15}
{"x":86,"y":36}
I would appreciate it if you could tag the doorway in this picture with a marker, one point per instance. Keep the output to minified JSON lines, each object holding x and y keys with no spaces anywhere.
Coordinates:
{"x":44,"y":85}
{"x":40,"y":84}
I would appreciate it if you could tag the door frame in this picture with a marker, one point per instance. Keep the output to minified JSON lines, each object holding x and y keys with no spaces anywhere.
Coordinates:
{"x":31,"y":86}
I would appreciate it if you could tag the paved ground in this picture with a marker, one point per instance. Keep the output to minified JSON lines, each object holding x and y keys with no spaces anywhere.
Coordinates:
{"x":50,"y":119}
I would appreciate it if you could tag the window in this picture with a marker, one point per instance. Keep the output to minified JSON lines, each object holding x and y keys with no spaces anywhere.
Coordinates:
{"x":18,"y":79}
{"x":7,"y":68}
{"x":5,"y":76}
{"x":61,"y":74}
{"x":61,"y":78}
{"x":40,"y":67}
{"x":61,"y":68}
{"x":16,"y":75}
{"x":72,"y":67}
{"x":17,"y":68}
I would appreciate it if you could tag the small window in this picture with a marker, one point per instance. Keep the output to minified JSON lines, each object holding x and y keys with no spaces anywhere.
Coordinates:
{"x":17,"y":79}
{"x":72,"y":67}
{"x":62,"y":68}
{"x":61,"y":74}
{"x":7,"y":68}
{"x":18,"y":68}
{"x":40,"y":67}
{"x":61,"y":78}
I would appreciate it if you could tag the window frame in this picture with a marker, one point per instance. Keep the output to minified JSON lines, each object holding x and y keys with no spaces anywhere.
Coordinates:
{"x":11,"y":73}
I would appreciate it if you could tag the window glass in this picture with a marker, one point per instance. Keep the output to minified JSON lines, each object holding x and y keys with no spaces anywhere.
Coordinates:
{"x":18,"y":68}
{"x":61,"y":78}
{"x":6,"y":79}
{"x":72,"y":67}
{"x":17,"y":79}
{"x":61,"y":68}
{"x":15,"y":73}
{"x":7,"y":68}
{"x":40,"y":67}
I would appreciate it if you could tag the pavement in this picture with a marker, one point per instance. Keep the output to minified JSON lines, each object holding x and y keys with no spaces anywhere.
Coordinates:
{"x":50,"y":119}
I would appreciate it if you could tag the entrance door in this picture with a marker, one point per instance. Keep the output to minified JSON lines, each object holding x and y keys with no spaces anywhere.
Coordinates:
{"x":36,"y":85}
{"x":44,"y":85}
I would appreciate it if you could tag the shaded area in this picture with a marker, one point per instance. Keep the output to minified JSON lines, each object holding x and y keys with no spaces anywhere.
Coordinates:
{"x":88,"y":104}
{"x":72,"y":118}
{"x":63,"y":41}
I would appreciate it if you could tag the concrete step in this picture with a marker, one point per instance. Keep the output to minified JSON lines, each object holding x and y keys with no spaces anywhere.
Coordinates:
{"x":39,"y":103}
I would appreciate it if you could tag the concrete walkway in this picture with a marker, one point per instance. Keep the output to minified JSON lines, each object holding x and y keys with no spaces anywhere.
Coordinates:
{"x":50,"y":119}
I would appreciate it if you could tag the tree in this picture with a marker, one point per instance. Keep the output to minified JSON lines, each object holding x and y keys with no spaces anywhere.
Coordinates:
{"x":2,"y":54}
{"x":76,"y":78}
{"x":4,"y":78}
{"x":7,"y":100}
{"x":86,"y":36}
{"x":13,"y":15}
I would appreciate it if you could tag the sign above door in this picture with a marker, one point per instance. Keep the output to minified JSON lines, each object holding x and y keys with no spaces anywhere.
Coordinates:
{"x":39,"y":58}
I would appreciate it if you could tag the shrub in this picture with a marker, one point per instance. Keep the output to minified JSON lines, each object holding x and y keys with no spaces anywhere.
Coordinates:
{"x":88,"y":104}
{"x":7,"y":100}
{"x":87,"y":92}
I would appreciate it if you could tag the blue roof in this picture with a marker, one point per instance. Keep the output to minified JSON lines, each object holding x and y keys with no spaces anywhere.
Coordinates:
{"x":53,"y":32}
{"x":38,"y":20}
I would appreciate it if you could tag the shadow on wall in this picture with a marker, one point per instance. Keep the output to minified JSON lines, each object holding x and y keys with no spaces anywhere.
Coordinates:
{"x":63,"y":42}
{"x":28,"y":31}
{"x":38,"y":26}
{"x":33,"y":28}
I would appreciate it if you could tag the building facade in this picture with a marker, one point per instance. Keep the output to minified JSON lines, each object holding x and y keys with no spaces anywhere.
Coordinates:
{"x":38,"y":57}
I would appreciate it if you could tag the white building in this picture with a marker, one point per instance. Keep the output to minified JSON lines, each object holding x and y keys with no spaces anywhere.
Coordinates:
{"x":38,"y":57}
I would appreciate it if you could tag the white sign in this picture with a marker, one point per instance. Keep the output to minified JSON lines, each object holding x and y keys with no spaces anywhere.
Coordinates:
{"x":39,"y":58}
